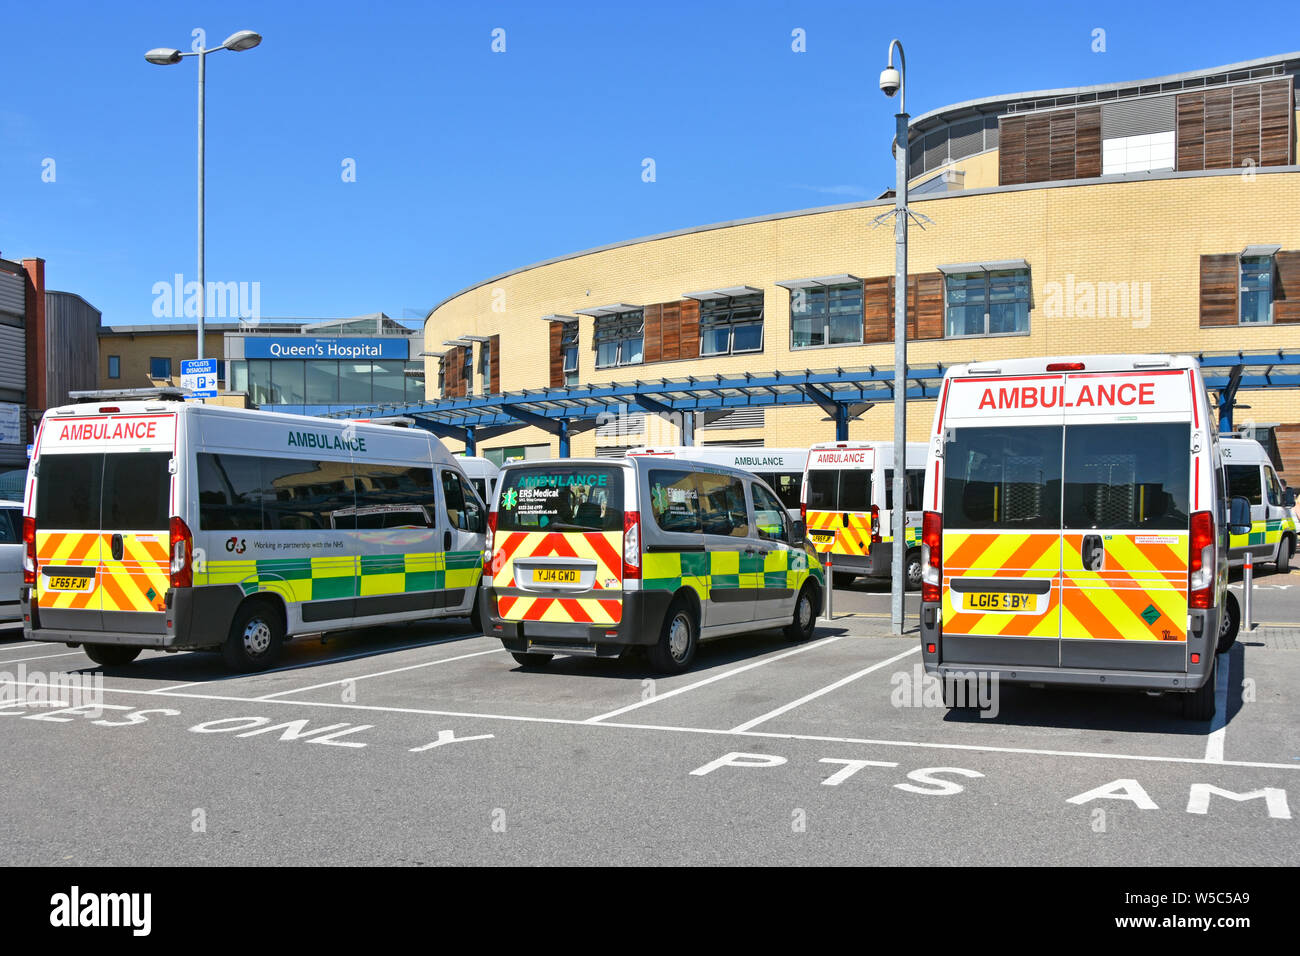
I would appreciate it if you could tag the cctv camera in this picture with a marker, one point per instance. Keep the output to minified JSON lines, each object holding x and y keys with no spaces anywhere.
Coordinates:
{"x":890,"y":81}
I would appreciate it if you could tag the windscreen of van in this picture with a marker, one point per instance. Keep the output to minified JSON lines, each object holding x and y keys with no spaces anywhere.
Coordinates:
{"x":126,"y":492}
{"x":1003,"y":477}
{"x":1243,"y":482}
{"x":1127,"y":476}
{"x":561,"y":498}
{"x":786,"y":486}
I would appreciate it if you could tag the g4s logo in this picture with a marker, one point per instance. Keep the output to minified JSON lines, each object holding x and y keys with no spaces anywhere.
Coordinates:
{"x":236,"y":545}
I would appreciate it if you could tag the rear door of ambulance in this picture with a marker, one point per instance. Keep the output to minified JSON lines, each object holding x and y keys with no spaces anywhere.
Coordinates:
{"x":558,"y":543}
{"x":1132,"y":450}
{"x":1000,"y":474}
{"x":838,"y":493}
{"x":104,"y":497}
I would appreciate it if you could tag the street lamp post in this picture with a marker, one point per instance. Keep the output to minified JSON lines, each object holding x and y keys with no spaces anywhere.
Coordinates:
{"x":892,"y":82}
{"x":164,"y":56}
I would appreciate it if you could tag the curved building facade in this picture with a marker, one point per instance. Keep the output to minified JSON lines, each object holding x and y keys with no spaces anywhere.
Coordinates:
{"x":1161,"y":215}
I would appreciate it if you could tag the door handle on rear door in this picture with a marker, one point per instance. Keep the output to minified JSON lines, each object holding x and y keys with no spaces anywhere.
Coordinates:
{"x":117,"y":547}
{"x":446,"y":541}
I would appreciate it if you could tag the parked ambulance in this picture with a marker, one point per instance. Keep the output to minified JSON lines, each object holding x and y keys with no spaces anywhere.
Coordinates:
{"x":848,"y":505}
{"x":592,"y":557}
{"x":781,"y":468}
{"x":160,"y":524}
{"x":1272,"y":535}
{"x":482,"y":474}
{"x":1076,"y":527}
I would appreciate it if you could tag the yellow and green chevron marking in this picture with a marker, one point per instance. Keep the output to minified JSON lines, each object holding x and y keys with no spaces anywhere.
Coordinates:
{"x":1263,"y":532}
{"x":706,"y":571}
{"x":320,"y":579}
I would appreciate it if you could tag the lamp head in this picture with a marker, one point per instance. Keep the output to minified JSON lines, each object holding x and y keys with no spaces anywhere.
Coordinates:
{"x":162,"y":56}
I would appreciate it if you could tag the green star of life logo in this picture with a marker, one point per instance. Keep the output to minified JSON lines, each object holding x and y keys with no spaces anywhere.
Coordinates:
{"x":1150,"y":615}
{"x":510,"y":498}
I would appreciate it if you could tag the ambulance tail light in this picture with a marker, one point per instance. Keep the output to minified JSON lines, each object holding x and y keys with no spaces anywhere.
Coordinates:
{"x":1065,"y":366}
{"x":875,"y":523}
{"x":29,"y":549}
{"x":182,"y":551}
{"x":803,"y":501}
{"x":931,"y":556}
{"x":1200,"y":563}
{"x":488,"y":544}
{"x":631,"y":544}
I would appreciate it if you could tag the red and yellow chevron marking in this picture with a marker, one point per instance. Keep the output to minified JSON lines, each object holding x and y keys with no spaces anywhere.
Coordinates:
{"x":124,"y":585}
{"x":70,"y":550}
{"x":854,"y":539}
{"x":140,"y":580}
{"x":1001,"y":555}
{"x":1138,"y":578}
{"x":603,"y":548}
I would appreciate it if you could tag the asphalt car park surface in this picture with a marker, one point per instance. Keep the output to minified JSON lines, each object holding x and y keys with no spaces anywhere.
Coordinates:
{"x":428,"y":744}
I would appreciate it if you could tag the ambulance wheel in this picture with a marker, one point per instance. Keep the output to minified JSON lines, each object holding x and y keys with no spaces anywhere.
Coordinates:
{"x":531,"y":659}
{"x":110,"y":655}
{"x":805,"y":614}
{"x":1284,"y":555}
{"x":678,"y":639}
{"x":475,"y":618}
{"x":913,"y":569}
{"x":1230,"y":623}
{"x":1199,"y":704}
{"x":256,"y":637}
{"x":842,"y":579}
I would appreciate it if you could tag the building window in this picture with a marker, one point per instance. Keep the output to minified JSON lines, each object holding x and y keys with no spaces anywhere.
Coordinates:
{"x":160,"y":368}
{"x":619,"y":339}
{"x":823,"y":315}
{"x":467,"y":368}
{"x":731,"y":324}
{"x":115,"y":366}
{"x":569,"y":349}
{"x":1256,"y":290}
{"x":987,"y":302}
{"x":485,"y":366}
{"x":442,"y":376}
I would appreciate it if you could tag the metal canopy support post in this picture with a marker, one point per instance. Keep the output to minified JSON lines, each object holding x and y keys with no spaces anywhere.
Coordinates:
{"x":563,"y":434}
{"x":1228,"y":398}
{"x":470,"y":448}
{"x":841,"y":422}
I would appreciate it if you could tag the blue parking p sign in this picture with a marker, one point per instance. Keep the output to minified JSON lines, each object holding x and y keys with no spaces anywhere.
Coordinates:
{"x":200,"y":377}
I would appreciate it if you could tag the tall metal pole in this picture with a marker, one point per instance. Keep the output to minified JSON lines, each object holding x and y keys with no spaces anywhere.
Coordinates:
{"x":898,"y":519}
{"x":203,"y":287}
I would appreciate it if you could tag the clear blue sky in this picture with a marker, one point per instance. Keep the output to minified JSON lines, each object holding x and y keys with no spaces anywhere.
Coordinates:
{"x":469,"y":162}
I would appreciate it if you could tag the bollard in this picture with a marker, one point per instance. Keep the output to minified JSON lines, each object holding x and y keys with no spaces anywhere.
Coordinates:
{"x":1247,"y":585}
{"x":828,"y":567}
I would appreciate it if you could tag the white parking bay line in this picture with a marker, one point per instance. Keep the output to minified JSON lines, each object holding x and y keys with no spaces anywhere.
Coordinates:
{"x":709,"y":680}
{"x":1219,"y":726}
{"x":786,"y":708}
{"x":395,"y":670}
{"x":43,"y":657}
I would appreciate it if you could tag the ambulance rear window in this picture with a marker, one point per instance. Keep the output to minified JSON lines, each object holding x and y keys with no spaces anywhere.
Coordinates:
{"x":67,"y":492}
{"x":561,"y":498}
{"x":1130,"y":476}
{"x":1003,"y":478}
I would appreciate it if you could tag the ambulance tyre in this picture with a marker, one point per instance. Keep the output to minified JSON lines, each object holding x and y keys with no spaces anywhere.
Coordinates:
{"x":1199,"y":704}
{"x":111,"y":655}
{"x":1284,"y":549}
{"x":806,"y":609}
{"x":475,"y":618}
{"x":1230,"y":623}
{"x":842,"y":579}
{"x":912,"y":568}
{"x":531,"y":659}
{"x":256,"y":637}
{"x":678,"y":639}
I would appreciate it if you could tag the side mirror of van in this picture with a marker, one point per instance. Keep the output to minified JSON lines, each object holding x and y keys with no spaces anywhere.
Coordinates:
{"x":1288,"y":498}
{"x":798,"y":531}
{"x":1239,"y":516}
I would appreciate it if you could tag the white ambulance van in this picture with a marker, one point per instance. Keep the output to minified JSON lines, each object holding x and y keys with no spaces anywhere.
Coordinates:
{"x":170,"y":525}
{"x":848,"y":507}
{"x":1076,"y":527}
{"x":482,"y":474}
{"x":781,"y":468}
{"x":1272,"y":535}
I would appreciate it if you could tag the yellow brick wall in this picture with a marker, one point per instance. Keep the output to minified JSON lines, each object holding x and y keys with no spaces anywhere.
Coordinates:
{"x":1151,"y":231}
{"x":135,"y":350}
